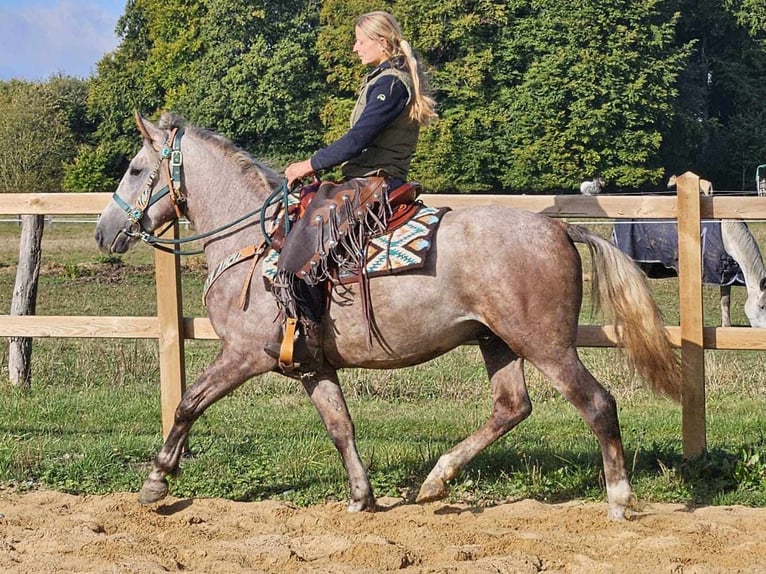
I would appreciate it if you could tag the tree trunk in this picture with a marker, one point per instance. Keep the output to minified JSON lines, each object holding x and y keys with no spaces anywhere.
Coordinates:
{"x":25,"y":296}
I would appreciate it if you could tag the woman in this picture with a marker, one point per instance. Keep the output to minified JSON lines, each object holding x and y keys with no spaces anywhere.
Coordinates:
{"x":392,"y":105}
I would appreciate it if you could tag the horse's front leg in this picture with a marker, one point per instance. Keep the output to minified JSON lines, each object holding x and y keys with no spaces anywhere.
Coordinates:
{"x":327,"y":396}
{"x":725,"y":305}
{"x":226,"y":373}
{"x":511,"y":406}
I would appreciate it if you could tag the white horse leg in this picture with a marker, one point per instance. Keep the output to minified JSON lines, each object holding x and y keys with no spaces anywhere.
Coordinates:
{"x":725,"y":305}
{"x":227,"y":372}
{"x":511,"y":406}
{"x":326,"y":394}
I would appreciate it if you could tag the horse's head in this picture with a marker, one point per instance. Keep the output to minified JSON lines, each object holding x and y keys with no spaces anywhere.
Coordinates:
{"x":149,"y":193}
{"x":755,"y":306}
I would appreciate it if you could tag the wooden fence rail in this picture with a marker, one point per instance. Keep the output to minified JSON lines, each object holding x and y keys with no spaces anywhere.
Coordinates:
{"x":171,"y":329}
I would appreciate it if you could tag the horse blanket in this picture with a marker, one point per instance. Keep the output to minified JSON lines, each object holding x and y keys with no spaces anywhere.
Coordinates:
{"x":653,"y":244}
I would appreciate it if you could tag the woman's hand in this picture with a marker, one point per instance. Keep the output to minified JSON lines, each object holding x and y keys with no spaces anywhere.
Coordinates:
{"x":298,"y":170}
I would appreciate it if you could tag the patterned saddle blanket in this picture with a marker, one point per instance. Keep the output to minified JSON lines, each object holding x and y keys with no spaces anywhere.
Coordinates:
{"x":402,"y":249}
{"x":653,"y":244}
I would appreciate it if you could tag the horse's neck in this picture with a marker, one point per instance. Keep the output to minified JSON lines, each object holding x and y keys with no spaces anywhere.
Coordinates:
{"x":220,"y":194}
{"x":741,"y":245}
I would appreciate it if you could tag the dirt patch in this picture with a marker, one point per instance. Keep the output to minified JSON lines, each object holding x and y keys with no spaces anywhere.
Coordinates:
{"x":53,"y":532}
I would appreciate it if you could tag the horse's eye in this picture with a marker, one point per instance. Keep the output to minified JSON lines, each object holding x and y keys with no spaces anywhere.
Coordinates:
{"x":134,"y":171}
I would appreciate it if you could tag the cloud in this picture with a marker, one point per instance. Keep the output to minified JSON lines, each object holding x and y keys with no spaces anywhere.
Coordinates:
{"x":39,"y":39}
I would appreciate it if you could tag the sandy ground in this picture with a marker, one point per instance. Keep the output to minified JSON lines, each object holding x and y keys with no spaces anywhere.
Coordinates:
{"x":49,"y":532}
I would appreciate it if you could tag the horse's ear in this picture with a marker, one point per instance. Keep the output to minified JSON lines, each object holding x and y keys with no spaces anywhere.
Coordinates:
{"x":142,"y":126}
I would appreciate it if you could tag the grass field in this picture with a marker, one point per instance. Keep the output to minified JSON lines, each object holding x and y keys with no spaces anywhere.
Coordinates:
{"x":91,"y":421}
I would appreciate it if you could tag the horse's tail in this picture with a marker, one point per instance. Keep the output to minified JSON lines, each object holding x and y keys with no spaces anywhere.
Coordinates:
{"x":621,"y":289}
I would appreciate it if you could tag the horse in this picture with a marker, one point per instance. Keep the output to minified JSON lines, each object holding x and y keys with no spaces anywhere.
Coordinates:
{"x":742,"y":246}
{"x":507,"y":279}
{"x":653,"y":244}
{"x":730,"y":256}
{"x":592,"y":186}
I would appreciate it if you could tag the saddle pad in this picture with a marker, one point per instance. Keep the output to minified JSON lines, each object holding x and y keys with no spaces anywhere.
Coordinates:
{"x":653,"y":243}
{"x":403,"y":249}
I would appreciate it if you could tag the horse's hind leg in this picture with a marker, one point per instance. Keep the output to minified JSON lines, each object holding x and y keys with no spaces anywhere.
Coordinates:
{"x":226,"y":373}
{"x":327,"y":396}
{"x":599,"y":409}
{"x":511,"y":406}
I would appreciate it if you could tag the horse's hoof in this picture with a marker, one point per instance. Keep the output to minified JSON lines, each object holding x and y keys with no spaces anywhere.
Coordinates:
{"x":432,"y":490}
{"x":153,"y":491}
{"x":617,"y":513}
{"x":367,"y":504}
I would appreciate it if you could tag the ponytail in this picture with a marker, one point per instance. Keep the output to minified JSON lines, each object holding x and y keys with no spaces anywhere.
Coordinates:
{"x":383,"y":26}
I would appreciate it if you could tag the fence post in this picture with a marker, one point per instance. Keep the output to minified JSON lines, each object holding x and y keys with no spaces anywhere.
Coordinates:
{"x":690,"y":299}
{"x":171,"y":335}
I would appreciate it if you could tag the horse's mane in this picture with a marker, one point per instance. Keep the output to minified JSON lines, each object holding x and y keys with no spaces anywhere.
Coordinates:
{"x":258,"y":173}
{"x":742,"y":246}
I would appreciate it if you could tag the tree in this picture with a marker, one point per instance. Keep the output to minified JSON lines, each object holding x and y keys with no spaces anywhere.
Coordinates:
{"x":533,"y":96}
{"x":35,"y":138}
{"x":35,"y":141}
{"x":459,"y":41}
{"x":246,"y":70}
{"x":153,"y":57}
{"x":257,"y":79}
{"x":718,"y":128}
{"x":454,"y":39}
{"x":594,"y":92}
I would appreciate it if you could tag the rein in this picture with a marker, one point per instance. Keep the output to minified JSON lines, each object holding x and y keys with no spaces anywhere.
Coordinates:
{"x":169,"y":163}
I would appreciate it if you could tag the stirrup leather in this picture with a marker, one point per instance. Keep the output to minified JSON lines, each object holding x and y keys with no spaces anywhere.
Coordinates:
{"x":288,"y":344}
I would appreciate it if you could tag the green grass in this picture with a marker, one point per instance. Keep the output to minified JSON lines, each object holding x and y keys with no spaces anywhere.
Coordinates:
{"x":91,"y":421}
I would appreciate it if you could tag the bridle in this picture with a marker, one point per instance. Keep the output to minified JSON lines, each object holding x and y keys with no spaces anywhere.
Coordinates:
{"x":168,"y":166}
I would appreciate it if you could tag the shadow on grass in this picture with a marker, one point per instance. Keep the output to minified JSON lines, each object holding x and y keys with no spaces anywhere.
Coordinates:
{"x":659,"y":474}
{"x":306,"y":469}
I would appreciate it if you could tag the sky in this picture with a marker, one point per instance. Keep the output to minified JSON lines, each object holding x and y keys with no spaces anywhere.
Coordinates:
{"x":42,"y":38}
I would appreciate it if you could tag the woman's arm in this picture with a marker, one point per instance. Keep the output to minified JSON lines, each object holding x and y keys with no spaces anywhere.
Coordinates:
{"x":386,"y":99}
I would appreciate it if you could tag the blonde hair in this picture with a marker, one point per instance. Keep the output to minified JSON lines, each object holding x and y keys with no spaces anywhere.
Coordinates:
{"x":383,"y":27}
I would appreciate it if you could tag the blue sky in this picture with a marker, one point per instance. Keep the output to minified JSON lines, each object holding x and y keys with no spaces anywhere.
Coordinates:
{"x":40,"y":38}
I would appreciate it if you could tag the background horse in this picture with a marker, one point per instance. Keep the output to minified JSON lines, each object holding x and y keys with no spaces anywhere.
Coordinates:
{"x":507,"y":278}
{"x":742,"y":246}
{"x":730,"y":256}
{"x":653,"y":244}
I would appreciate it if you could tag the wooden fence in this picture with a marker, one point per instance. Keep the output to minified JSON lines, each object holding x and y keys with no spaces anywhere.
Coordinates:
{"x":171,"y":329}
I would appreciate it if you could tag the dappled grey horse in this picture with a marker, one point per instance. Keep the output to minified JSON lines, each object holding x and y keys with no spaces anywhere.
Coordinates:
{"x":507,"y":278}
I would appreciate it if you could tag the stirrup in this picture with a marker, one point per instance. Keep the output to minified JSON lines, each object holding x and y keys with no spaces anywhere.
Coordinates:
{"x":287,"y":354}
{"x":288,"y":345}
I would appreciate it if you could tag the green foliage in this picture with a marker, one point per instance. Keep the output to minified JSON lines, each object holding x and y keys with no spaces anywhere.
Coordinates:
{"x":594,"y":93}
{"x":257,"y":80}
{"x":751,"y":15}
{"x":71,"y":96}
{"x":461,"y":40}
{"x":89,"y":171}
{"x":36,"y":137}
{"x":533,"y":96}
{"x":718,"y":130}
